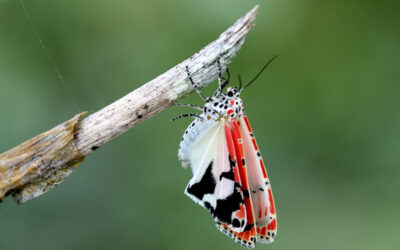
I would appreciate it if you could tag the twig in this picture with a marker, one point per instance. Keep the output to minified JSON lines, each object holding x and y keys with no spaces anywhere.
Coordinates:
{"x":43,"y":162}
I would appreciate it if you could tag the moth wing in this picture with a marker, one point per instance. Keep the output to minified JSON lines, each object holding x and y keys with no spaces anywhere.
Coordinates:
{"x":202,"y":158}
{"x":260,"y":188}
{"x":213,"y":184}
{"x":247,"y":237}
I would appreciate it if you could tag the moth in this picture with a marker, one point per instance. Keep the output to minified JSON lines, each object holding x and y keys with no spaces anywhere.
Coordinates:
{"x":229,"y":176}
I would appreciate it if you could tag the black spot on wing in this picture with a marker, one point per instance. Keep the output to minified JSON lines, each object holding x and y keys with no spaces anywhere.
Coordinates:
{"x":248,"y":227}
{"x":232,"y":163}
{"x":209,"y":207}
{"x":224,"y":209}
{"x":205,"y":186}
{"x":228,"y":175}
{"x":236,"y":223}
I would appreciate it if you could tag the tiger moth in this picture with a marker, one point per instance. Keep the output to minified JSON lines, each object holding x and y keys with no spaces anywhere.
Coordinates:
{"x":229,"y":176}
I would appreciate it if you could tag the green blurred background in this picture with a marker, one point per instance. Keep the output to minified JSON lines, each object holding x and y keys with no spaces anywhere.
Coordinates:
{"x":326,"y":115}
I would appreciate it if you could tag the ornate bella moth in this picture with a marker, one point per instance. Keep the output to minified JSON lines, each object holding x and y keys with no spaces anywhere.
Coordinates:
{"x":229,"y":177}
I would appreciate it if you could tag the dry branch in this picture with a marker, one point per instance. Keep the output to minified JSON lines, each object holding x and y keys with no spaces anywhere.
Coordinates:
{"x":43,"y":162}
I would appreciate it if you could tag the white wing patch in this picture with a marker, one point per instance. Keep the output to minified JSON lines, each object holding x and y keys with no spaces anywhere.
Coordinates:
{"x":196,"y":128}
{"x":205,"y":150}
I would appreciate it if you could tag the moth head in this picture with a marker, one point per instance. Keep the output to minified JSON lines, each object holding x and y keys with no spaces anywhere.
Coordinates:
{"x":232,"y":92}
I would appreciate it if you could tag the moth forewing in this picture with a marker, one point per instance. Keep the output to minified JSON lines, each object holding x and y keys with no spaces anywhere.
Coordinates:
{"x":260,"y":187}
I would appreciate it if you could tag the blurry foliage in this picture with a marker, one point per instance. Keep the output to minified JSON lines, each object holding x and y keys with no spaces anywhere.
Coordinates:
{"x":325,"y":113}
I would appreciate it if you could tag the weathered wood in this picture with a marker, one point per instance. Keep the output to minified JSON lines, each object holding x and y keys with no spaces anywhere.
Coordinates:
{"x":40,"y":164}
{"x":43,"y":162}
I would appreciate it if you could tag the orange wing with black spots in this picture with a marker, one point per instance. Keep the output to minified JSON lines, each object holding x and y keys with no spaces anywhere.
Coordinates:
{"x":260,"y":186}
{"x":248,"y":236}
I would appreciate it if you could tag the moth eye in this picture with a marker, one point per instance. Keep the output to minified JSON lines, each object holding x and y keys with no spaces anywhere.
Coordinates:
{"x":230,"y":93}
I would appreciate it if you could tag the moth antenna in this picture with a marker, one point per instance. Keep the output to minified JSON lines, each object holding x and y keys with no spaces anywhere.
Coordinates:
{"x":240,"y":81}
{"x":259,"y":73}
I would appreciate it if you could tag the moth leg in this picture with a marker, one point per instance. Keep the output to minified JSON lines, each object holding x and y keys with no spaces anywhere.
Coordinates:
{"x":186,"y":115}
{"x":226,"y":82}
{"x":195,"y":85}
{"x":190,"y":106}
{"x":221,"y":85}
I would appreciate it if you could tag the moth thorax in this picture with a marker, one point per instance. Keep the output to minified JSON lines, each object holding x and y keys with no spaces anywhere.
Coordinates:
{"x":224,"y":107}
